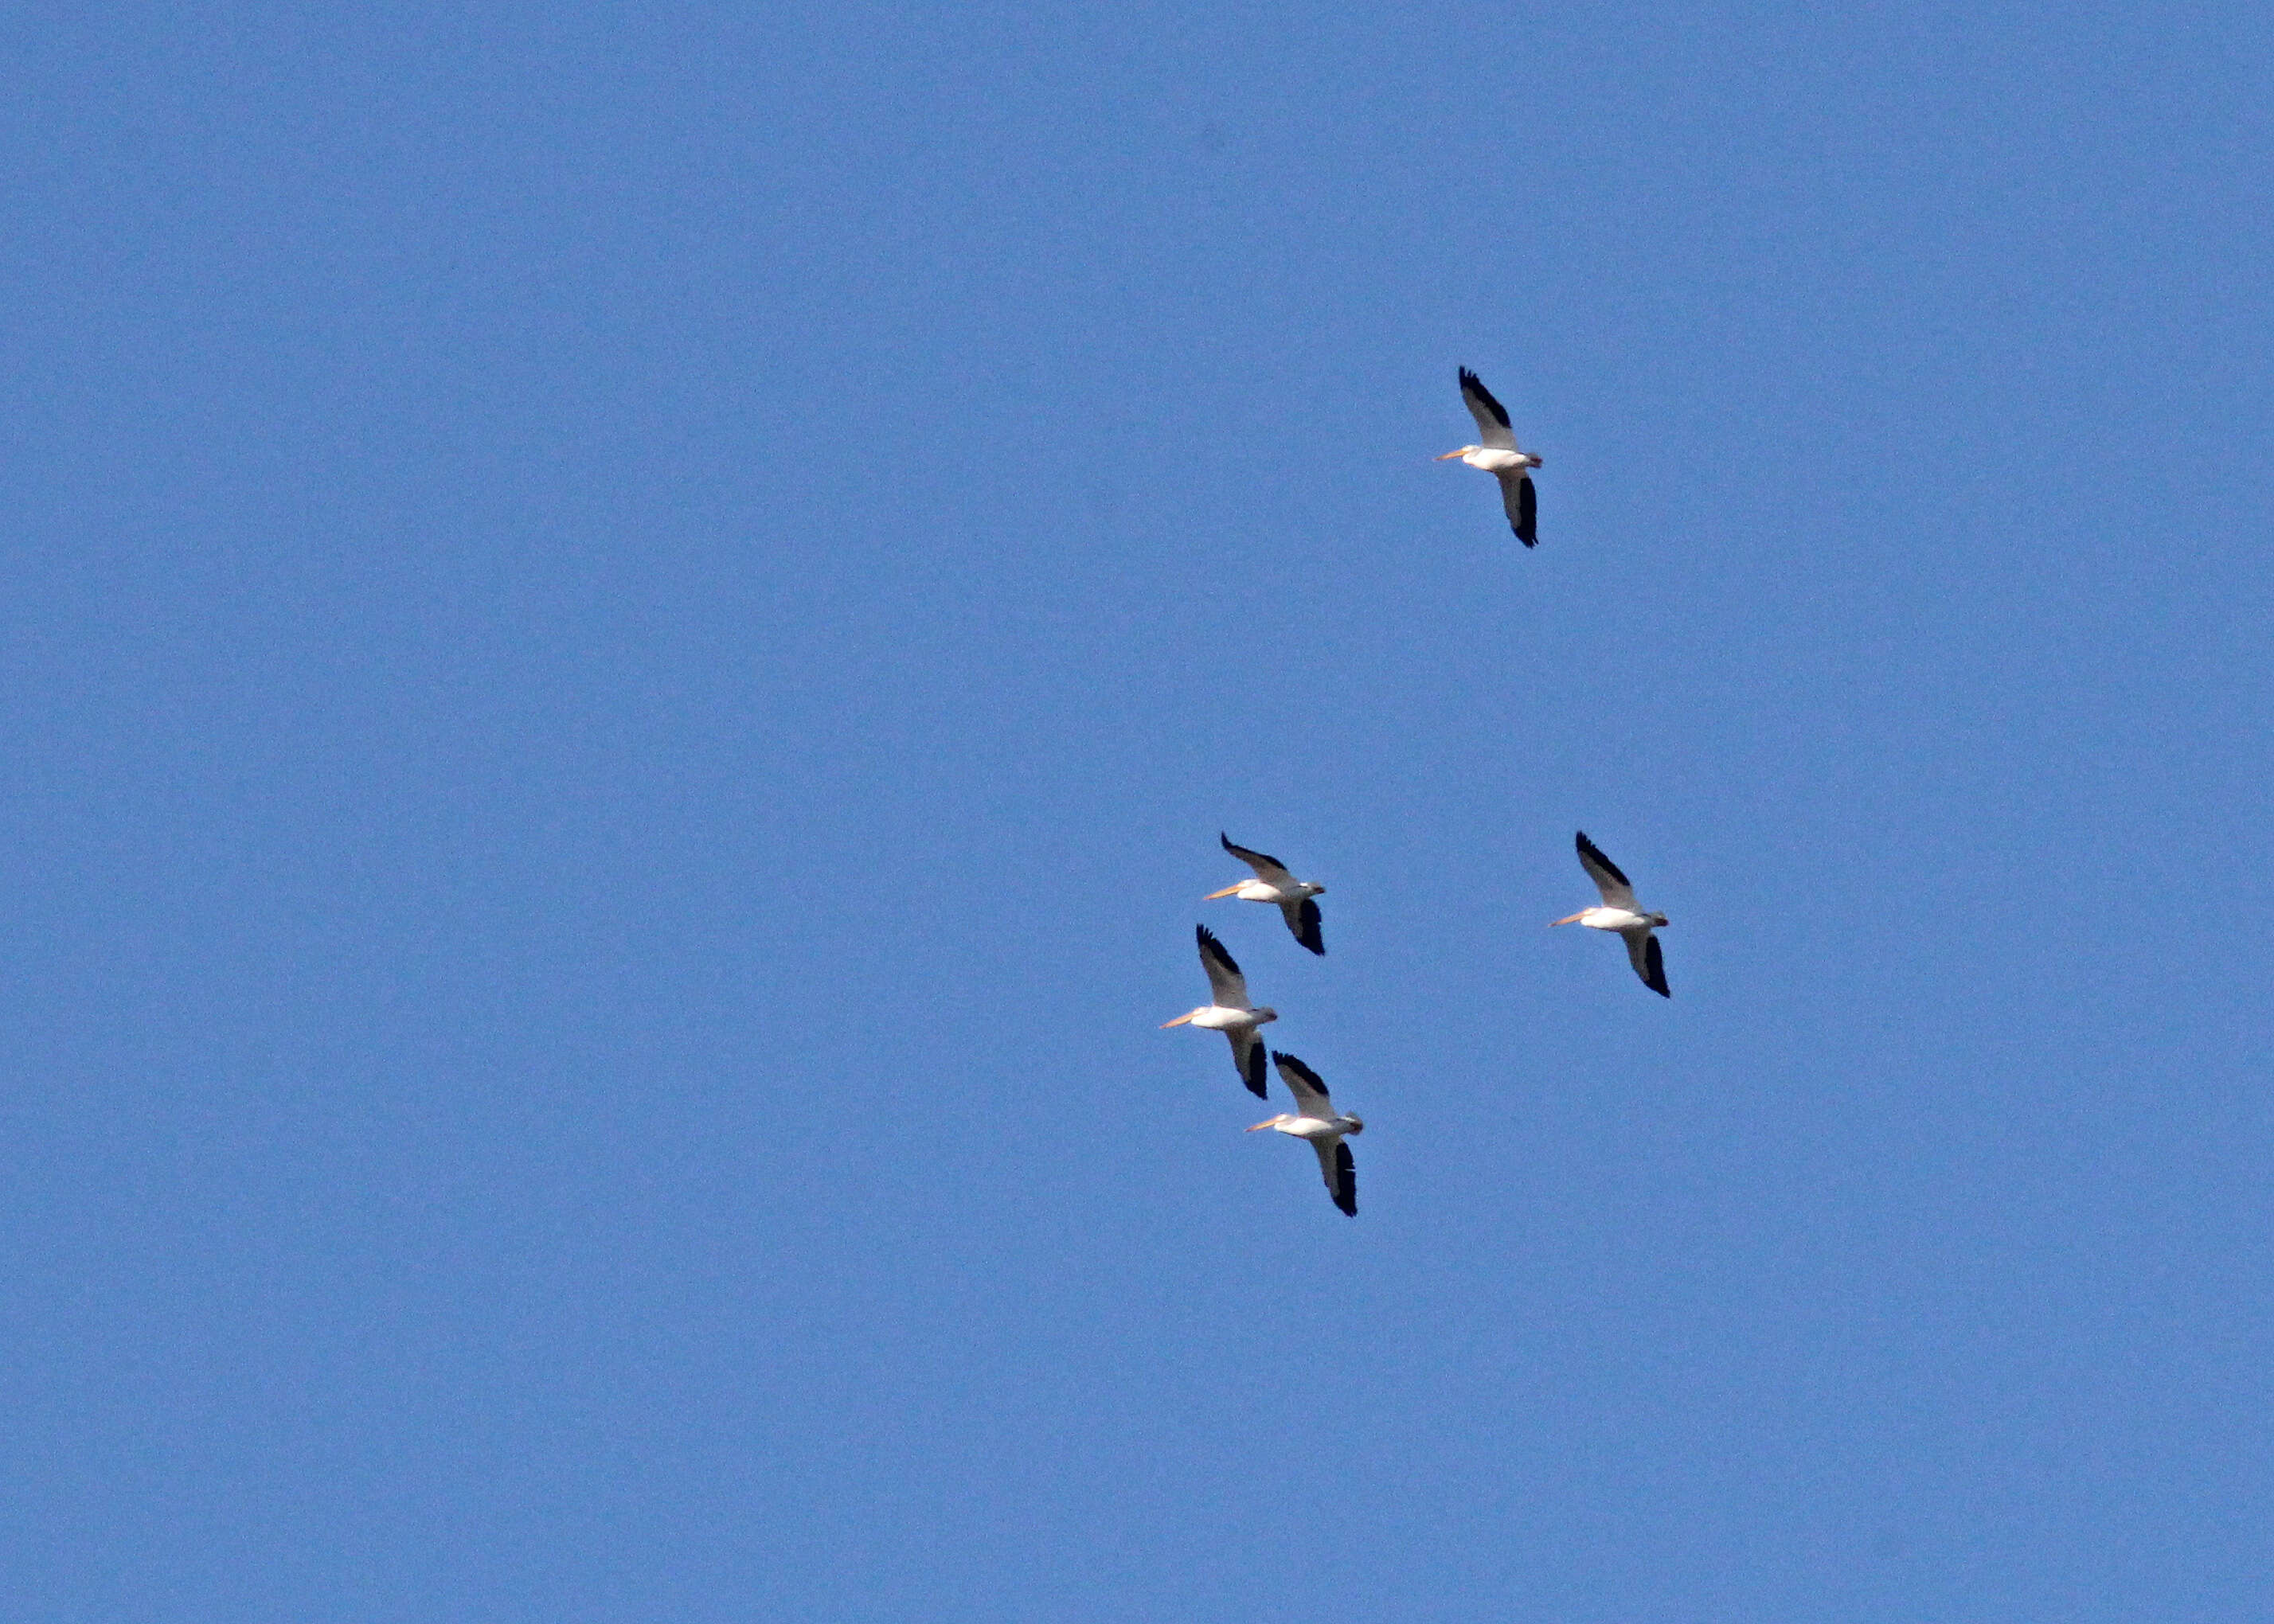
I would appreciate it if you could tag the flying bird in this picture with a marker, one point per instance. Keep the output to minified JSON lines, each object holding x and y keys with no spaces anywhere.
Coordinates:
{"x":1315,"y":1118}
{"x":1620,"y":913}
{"x":1273,"y":883}
{"x":1229,"y":1013}
{"x":1499,"y":457}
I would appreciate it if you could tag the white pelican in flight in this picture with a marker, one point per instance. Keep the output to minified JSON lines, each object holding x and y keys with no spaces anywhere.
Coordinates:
{"x":1273,"y":883}
{"x":1230,"y":1013}
{"x":1499,"y":457}
{"x":1620,"y":913}
{"x":1315,"y":1118}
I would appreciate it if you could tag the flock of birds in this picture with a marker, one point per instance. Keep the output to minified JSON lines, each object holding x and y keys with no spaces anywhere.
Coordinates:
{"x":1228,"y":1009}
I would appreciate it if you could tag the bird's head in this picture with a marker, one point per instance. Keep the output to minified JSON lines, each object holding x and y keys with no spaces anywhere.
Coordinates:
{"x":1658,"y":919}
{"x":1356,"y":1124}
{"x":1534,"y":459}
{"x":1464,"y":451}
{"x":1266,"y":1014}
{"x":1313,"y":889}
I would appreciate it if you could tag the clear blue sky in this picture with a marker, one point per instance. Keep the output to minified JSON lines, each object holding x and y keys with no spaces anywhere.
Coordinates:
{"x":627,"y":631}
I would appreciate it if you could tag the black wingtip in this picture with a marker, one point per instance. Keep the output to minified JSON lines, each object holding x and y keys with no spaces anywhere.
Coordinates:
{"x":1654,"y":961}
{"x":1211,"y":948}
{"x":1225,"y":842}
{"x":1345,"y":1179}
{"x":1256,"y":1085}
{"x":1470,"y":382}
{"x":1310,"y":934}
{"x":1288,"y":1062}
{"x":1588,"y":850}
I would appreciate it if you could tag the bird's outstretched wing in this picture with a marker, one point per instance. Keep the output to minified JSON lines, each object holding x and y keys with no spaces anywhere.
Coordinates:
{"x":1303,"y":920}
{"x":1340,"y":1172}
{"x":1649,"y":961}
{"x":1493,"y":432}
{"x":1617,"y":893}
{"x":1226,"y":985}
{"x":1523,"y":505}
{"x":1270,"y":871}
{"x":1310,"y":1092}
{"x":1247,"y":1059}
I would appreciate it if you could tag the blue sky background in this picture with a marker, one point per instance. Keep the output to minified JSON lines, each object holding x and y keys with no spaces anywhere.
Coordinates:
{"x":626,"y":631}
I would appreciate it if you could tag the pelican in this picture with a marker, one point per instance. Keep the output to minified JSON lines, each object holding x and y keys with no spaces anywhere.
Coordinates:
{"x":1499,"y":457}
{"x":1273,"y":883}
{"x":1315,"y":1118}
{"x":1620,"y":914}
{"x":1230,"y":1013}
